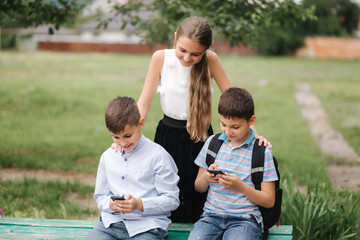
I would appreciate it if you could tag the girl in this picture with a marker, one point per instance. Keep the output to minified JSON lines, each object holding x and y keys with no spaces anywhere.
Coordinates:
{"x":185,"y":74}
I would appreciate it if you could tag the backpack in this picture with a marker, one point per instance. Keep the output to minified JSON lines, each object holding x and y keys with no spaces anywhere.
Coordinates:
{"x":270,"y":215}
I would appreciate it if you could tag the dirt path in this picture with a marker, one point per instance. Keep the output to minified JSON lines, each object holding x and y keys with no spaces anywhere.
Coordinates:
{"x":42,"y":175}
{"x":330,"y":141}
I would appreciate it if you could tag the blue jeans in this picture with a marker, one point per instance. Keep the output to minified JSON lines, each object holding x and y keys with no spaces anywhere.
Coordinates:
{"x":216,"y":227}
{"x":118,"y":231}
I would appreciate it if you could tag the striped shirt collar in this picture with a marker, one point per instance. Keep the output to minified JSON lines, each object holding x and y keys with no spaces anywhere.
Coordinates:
{"x":247,"y":142}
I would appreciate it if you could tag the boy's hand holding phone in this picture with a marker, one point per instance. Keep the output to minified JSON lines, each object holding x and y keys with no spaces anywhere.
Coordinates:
{"x":117,"y":197}
{"x":125,"y":204}
{"x":214,"y":173}
{"x":232,"y":181}
{"x":115,"y":201}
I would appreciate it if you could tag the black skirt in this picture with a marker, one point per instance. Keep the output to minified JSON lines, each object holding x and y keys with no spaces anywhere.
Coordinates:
{"x":173,"y":136}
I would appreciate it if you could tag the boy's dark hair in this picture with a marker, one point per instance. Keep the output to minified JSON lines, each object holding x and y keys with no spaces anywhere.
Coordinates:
{"x":236,"y":102}
{"x":120,"y":112}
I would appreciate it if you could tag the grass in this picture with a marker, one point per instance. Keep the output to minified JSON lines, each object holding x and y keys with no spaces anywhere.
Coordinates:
{"x":51,"y":199}
{"x":52,"y":117}
{"x":52,"y":106}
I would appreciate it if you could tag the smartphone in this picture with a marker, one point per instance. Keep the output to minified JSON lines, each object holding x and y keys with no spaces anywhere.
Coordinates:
{"x":122,"y":197}
{"x":215,"y":171}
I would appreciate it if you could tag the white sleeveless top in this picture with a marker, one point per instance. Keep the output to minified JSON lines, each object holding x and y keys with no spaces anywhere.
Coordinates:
{"x":174,"y":87}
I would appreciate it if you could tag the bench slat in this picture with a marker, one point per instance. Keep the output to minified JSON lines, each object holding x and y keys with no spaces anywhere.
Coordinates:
{"x":21,"y":232}
{"x":280,"y":237}
{"x":48,"y":222}
{"x":32,"y":228}
{"x":281,"y":230}
{"x":181,"y":227}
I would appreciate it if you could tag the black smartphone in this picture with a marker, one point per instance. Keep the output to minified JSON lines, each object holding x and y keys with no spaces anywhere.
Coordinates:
{"x":215,"y":171}
{"x":122,"y":197}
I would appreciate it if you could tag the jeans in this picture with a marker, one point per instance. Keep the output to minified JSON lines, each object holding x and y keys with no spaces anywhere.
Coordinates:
{"x":118,"y":231}
{"x":225,"y":227}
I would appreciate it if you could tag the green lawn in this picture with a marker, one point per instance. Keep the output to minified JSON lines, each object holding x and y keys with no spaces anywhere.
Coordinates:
{"x":52,"y":106}
{"x":52,"y":109}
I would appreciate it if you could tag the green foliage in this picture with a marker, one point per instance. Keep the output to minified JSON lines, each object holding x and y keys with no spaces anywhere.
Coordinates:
{"x":321,"y":213}
{"x":280,"y":41}
{"x":236,"y":21}
{"x":333,"y":18}
{"x":25,"y":13}
{"x":7,"y":41}
{"x":348,"y":13}
{"x":328,"y":20}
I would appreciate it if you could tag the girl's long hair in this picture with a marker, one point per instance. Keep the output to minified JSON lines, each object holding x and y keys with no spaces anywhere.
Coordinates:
{"x":199,"y":115}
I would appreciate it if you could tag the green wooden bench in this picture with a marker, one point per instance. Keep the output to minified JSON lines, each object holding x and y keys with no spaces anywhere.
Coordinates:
{"x":33,"y":228}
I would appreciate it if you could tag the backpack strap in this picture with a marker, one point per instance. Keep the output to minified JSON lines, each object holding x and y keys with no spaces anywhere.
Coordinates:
{"x":257,"y":164}
{"x":213,"y":149}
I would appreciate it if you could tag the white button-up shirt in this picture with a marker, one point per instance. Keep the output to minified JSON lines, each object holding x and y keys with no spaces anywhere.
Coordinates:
{"x":148,"y":172}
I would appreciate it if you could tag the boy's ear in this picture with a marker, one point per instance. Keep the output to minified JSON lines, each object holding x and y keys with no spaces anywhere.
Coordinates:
{"x":252,"y":120}
{"x":141,"y":122}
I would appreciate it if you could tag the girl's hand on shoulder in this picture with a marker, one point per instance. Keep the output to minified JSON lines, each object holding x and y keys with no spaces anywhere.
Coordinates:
{"x":265,"y":141}
{"x":116,"y":147}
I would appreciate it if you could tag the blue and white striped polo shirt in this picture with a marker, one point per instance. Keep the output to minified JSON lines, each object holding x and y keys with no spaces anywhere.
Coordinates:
{"x":236,"y":160}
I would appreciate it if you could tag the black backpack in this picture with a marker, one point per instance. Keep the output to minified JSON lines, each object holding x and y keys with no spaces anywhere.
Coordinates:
{"x":270,"y":215}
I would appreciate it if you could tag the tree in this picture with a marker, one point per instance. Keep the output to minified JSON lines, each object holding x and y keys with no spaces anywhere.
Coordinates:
{"x":333,"y":18}
{"x":25,"y":13}
{"x":239,"y":21}
{"x":348,"y":13}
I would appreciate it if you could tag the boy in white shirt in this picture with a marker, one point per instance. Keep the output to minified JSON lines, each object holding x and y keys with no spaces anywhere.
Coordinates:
{"x":142,"y":172}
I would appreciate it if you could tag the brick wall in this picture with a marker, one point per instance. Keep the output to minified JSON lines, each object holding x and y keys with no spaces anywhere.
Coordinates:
{"x":95,"y":47}
{"x":218,"y":47}
{"x":330,"y":47}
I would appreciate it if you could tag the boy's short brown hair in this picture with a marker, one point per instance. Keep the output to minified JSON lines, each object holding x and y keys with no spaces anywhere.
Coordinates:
{"x":236,"y":102}
{"x":120,"y":112}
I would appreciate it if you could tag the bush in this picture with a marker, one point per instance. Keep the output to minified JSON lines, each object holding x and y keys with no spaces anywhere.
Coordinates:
{"x":334,"y":18}
{"x":280,"y":41}
{"x":7,"y":41}
{"x":321,"y":213}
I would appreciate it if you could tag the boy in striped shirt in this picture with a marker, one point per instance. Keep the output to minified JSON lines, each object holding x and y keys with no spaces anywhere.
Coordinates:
{"x":231,"y":209}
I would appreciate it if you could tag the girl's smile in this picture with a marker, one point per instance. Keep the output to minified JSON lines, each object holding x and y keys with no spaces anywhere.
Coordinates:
{"x":188,"y":51}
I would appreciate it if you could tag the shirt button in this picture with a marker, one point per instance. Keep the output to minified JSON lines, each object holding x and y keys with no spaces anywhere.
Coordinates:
{"x":123,"y":177}
{"x":125,"y":159}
